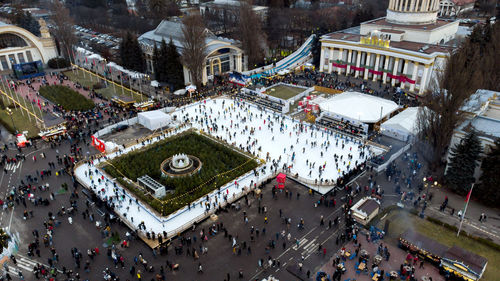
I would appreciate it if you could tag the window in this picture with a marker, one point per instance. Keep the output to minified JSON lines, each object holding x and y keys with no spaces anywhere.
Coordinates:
{"x":12,"y":59}
{"x":3,"y":60}
{"x":11,"y":40}
{"x":20,"y":57}
{"x":29,"y":56}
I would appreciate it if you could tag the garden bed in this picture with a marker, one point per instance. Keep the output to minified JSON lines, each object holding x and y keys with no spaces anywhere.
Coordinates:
{"x":67,"y":98}
{"x":221,"y":164}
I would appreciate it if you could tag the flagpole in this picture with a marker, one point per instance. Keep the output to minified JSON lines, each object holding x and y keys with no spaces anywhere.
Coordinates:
{"x":121,"y":82}
{"x":16,"y":97}
{"x":465,"y":210}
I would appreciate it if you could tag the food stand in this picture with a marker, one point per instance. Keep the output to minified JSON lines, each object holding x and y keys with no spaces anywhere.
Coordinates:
{"x":463,"y":264}
{"x":365,"y":210}
{"x":423,"y":246}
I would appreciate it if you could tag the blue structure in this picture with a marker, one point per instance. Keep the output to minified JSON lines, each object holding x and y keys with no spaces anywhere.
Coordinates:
{"x":28,"y":69}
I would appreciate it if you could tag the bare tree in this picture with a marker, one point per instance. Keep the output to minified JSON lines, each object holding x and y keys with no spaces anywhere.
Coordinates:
{"x":442,"y":113}
{"x":63,"y":30}
{"x":194,"y":48}
{"x":250,"y":33}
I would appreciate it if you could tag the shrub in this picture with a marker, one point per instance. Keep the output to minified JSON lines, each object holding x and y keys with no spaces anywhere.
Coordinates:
{"x":57,"y":63}
{"x":221,"y":165}
{"x":67,"y":98}
{"x":98,"y":86}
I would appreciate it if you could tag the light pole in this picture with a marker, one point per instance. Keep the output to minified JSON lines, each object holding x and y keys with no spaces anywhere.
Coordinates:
{"x":9,"y":112}
{"x":426,"y":186}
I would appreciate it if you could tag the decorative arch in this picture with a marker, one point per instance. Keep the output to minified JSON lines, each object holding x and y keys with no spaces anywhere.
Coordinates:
{"x":28,"y":37}
{"x":225,"y":47}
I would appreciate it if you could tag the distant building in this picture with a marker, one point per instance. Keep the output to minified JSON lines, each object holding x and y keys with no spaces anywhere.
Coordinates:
{"x":18,"y":45}
{"x":453,"y":8}
{"x":406,"y":48}
{"x":482,"y":112}
{"x":221,"y":5}
{"x":223,"y":54}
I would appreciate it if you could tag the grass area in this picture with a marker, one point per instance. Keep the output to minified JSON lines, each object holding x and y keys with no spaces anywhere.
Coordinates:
{"x":66,"y":97}
{"x":21,"y":123}
{"x":220,"y":165}
{"x":402,"y":221}
{"x":108,"y":91}
{"x":284,"y":92}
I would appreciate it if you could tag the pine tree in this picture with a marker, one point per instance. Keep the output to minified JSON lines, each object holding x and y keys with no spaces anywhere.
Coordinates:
{"x":487,"y":190}
{"x":131,"y":53}
{"x":463,"y":162}
{"x":174,"y":69}
{"x":156,"y":64}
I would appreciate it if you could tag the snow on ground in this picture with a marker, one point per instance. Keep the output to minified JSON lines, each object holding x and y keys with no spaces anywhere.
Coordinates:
{"x":223,"y":118}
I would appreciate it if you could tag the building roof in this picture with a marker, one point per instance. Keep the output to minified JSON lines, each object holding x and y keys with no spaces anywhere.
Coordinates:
{"x":471,"y":260}
{"x":424,"y":243}
{"x":167,"y":30}
{"x":428,"y":27}
{"x":357,"y":106}
{"x":404,"y":45}
{"x":369,"y":206}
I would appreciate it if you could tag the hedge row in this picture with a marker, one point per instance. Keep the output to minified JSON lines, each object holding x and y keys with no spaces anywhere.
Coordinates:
{"x":67,"y":98}
{"x":216,"y":158}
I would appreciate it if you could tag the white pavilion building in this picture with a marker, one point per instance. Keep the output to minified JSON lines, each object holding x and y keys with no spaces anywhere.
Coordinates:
{"x":406,"y":48}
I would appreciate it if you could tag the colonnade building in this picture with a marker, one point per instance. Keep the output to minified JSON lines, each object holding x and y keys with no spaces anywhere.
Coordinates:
{"x":407,"y":48}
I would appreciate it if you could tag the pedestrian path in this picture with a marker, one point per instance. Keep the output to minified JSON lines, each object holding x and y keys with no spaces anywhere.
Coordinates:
{"x":13,"y":166}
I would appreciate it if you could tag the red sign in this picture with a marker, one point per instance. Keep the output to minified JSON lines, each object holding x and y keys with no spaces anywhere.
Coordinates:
{"x":98,"y":144}
{"x":339,"y":65}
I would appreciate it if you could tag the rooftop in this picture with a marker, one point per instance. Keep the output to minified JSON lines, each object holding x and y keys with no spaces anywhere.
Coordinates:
{"x":385,"y":23}
{"x":405,"y":45}
{"x":473,"y":261}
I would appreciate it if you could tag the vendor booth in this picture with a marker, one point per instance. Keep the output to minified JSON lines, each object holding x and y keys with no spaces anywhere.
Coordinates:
{"x":463,"y":264}
{"x":365,"y":210}
{"x":423,"y":246}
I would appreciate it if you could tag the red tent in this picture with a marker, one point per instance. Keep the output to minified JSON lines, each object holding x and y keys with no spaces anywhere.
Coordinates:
{"x":281,"y":178}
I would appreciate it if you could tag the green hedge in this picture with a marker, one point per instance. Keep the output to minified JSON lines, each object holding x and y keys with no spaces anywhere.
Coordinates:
{"x":68,"y":98}
{"x":57,"y":63}
{"x":216,"y":159}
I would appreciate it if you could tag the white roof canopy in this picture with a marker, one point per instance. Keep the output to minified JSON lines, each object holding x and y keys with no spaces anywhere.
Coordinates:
{"x":403,"y":124}
{"x":358,"y":106}
{"x":153,"y":119}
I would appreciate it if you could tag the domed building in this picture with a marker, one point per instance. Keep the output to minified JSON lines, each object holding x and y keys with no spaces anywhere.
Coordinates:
{"x":406,"y":48}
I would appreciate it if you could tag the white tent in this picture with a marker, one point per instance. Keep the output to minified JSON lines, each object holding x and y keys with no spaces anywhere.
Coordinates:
{"x":357,"y":106}
{"x":153,"y":119}
{"x":402,"y":126}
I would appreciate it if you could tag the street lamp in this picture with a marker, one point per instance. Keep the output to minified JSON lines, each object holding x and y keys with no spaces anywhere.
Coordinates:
{"x":426,"y":187}
{"x":9,"y":112}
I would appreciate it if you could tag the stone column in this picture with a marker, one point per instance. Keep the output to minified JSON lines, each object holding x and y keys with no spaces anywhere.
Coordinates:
{"x":341,"y":52}
{"x":414,"y":76}
{"x":405,"y":69}
{"x":412,"y":6}
{"x":395,"y":71}
{"x":330,"y":59}
{"x":238,"y":63}
{"x":322,"y":60}
{"x":349,"y":55}
{"x":400,"y":8}
{"x":377,"y":61}
{"x":386,"y":66}
{"x":423,"y":81}
{"x":358,"y":63}
{"x":367,"y":64}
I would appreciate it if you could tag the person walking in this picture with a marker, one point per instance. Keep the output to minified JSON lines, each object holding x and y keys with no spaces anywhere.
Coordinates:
{"x":200,"y":268}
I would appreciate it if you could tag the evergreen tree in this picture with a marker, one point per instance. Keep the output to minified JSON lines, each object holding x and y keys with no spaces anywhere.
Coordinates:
{"x":487,"y":190}
{"x":463,"y":162}
{"x":131,"y":53}
{"x":174,"y":69}
{"x":25,"y":20}
{"x":156,"y":64}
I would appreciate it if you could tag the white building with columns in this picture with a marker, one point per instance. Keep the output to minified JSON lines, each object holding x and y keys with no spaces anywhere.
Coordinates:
{"x":18,"y":45}
{"x":223,"y":54}
{"x":407,"y":48}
